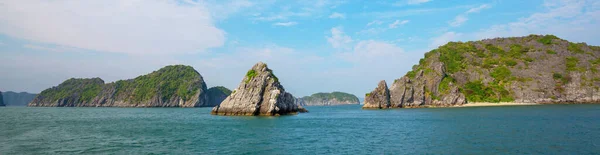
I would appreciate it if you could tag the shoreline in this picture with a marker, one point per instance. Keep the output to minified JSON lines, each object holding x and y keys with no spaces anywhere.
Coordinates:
{"x":489,"y":104}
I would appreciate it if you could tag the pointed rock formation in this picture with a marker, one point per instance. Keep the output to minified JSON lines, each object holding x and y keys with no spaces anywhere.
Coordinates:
{"x":378,"y":98}
{"x":259,"y":93}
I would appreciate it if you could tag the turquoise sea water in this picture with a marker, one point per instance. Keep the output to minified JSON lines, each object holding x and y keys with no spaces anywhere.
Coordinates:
{"x":544,"y":129}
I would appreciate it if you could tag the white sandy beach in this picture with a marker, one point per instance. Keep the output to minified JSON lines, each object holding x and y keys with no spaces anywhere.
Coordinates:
{"x":485,"y":104}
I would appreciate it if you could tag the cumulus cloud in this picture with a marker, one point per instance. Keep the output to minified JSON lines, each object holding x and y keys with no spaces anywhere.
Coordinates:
{"x":338,"y":38}
{"x":285,"y":24}
{"x":134,"y":27}
{"x":337,"y":15}
{"x":397,"y":23}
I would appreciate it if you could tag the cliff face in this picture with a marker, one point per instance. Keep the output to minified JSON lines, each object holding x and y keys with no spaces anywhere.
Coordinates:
{"x":171,"y":86}
{"x":531,"y":69}
{"x":17,"y":99}
{"x":259,"y":93}
{"x":378,"y":98}
{"x":329,"y":99}
{"x":216,"y":95}
{"x":1,"y":100}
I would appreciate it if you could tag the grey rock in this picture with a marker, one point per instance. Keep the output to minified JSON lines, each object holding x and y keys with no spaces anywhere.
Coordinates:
{"x":378,"y":98}
{"x":259,"y":93}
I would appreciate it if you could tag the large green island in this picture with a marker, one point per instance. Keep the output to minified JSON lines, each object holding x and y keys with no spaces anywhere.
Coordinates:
{"x":541,"y":69}
{"x":171,"y":86}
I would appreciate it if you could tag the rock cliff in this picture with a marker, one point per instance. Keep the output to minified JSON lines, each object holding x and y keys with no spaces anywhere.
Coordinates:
{"x":17,"y":99}
{"x":259,"y":93}
{"x":378,"y":98}
{"x":216,"y":95}
{"x":171,"y":86}
{"x":531,"y":69}
{"x":329,"y":99}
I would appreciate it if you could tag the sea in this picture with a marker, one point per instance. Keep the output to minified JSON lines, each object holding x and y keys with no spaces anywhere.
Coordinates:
{"x":537,"y":129}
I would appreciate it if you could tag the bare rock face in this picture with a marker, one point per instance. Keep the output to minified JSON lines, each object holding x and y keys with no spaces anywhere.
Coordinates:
{"x":378,"y":98}
{"x":259,"y":93}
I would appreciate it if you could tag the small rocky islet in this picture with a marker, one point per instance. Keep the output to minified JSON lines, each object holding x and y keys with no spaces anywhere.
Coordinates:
{"x":542,"y":69}
{"x":259,"y":93}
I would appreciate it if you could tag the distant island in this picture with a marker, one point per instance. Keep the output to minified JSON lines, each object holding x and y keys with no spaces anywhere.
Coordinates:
{"x":216,"y":95}
{"x":171,"y":86}
{"x":17,"y":99}
{"x":1,"y":100}
{"x":541,"y":69}
{"x":329,"y":99}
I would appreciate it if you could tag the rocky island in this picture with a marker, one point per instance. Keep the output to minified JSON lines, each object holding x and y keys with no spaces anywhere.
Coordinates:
{"x":1,"y":99}
{"x":171,"y":86}
{"x":17,"y":99}
{"x":217,"y":95}
{"x":328,"y":99}
{"x":259,"y":93}
{"x":541,"y":69}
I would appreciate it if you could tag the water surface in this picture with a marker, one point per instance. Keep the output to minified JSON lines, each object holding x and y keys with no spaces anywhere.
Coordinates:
{"x":544,"y":129}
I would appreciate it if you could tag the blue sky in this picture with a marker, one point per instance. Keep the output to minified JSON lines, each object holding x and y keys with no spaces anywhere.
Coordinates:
{"x":312,"y":45}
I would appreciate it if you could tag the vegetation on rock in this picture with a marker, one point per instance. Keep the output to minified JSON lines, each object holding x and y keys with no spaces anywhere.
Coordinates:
{"x":332,"y":98}
{"x":501,"y":70}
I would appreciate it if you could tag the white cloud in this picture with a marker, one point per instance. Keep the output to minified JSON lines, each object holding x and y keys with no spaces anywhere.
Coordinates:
{"x":397,"y":23}
{"x":285,"y":23}
{"x":371,"y":50}
{"x":223,"y":9}
{"x":477,"y":9}
{"x":458,"y":21}
{"x":135,"y":27}
{"x":410,"y":2}
{"x":338,"y":38}
{"x":413,"y":2}
{"x":375,"y":22}
{"x":462,"y":18}
{"x":444,"y":38}
{"x":572,"y":20}
{"x":337,"y":15}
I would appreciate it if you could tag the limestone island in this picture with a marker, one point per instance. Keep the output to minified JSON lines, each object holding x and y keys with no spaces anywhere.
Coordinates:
{"x":535,"y":69}
{"x":328,"y":99}
{"x":259,"y":93}
{"x":171,"y":86}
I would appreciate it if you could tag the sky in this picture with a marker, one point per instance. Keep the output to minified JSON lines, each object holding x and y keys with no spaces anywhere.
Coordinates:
{"x":312,"y":45}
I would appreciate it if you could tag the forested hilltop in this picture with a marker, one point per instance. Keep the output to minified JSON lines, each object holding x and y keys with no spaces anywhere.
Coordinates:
{"x":171,"y":86}
{"x":327,"y":99}
{"x":531,"y":69}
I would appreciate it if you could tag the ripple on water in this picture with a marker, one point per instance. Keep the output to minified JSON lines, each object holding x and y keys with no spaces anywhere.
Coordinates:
{"x":546,"y":129}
